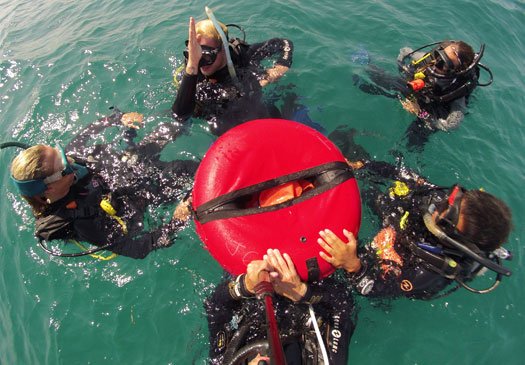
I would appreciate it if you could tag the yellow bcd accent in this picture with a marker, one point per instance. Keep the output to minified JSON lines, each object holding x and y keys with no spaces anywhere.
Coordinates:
{"x":421,"y":59}
{"x":106,"y":206}
{"x":399,"y":189}
{"x":176,"y":81}
{"x":403,"y":221}
{"x":419,"y":76}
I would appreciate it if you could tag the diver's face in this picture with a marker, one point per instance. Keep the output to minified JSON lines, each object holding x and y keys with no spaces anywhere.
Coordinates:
{"x":220,"y":60}
{"x":58,"y":189}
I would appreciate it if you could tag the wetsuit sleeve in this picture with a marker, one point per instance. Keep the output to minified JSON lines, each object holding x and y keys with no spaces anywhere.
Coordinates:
{"x":139,"y":245}
{"x":455,"y":116}
{"x":184,"y":103}
{"x":79,"y":143}
{"x":164,"y":133}
{"x":278,"y":48}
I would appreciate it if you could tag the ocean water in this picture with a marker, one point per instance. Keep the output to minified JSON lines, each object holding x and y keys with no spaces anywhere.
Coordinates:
{"x":64,"y":63}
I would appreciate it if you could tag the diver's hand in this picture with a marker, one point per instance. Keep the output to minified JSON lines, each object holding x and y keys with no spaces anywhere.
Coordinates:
{"x":132,"y":120}
{"x":284,"y":277}
{"x":252,"y":277}
{"x":194,"y":50}
{"x":410,"y":106}
{"x":258,"y":358}
{"x":356,"y":165}
{"x":182,"y":211}
{"x":273,"y":74}
{"x":342,"y":255}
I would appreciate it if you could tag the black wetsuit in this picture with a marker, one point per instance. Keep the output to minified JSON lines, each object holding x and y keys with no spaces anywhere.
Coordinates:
{"x":414,"y":277}
{"x":236,"y":323}
{"x":223,"y":103}
{"x":132,"y":181}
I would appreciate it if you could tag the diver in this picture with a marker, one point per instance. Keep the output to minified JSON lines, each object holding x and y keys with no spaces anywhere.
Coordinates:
{"x":431,"y":237}
{"x":315,"y":320}
{"x":94,"y":193}
{"x":222,"y":79}
{"x":434,"y":86}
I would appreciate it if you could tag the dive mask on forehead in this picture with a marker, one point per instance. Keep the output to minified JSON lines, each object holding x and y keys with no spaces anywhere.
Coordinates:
{"x":208,"y":55}
{"x":39,"y":186}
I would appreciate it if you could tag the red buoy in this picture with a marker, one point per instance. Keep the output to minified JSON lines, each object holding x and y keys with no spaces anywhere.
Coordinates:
{"x":273,"y":183}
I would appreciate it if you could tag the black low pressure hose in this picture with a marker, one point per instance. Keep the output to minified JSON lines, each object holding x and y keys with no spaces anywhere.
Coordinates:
{"x":78,"y":254}
{"x":248,"y":352}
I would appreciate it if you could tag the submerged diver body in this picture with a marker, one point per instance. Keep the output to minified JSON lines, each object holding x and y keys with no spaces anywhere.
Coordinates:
{"x":435,"y":86}
{"x":431,"y":237}
{"x":226,"y":93}
{"x":102,"y":195}
{"x":236,"y":316}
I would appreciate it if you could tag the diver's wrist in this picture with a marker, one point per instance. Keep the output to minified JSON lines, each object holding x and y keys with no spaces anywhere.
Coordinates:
{"x":303,"y":288}
{"x":191,"y":70}
{"x":352,"y":266}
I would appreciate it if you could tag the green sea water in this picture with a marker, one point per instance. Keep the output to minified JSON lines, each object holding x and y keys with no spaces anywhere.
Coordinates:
{"x":64,"y":63}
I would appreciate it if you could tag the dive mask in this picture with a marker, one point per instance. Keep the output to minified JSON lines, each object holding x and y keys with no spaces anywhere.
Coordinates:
{"x":208,"y":54}
{"x":448,"y":211}
{"x":442,"y":63}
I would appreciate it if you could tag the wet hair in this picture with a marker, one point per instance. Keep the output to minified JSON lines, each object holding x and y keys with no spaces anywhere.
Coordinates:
{"x":29,"y":165}
{"x":206,"y":29}
{"x":487,"y":220}
{"x":464,"y":52}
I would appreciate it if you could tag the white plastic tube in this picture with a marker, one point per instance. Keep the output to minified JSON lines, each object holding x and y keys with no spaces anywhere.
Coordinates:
{"x":225,"y":42}
{"x":318,"y":334}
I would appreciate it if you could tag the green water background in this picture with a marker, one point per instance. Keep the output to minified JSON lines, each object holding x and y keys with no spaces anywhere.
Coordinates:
{"x":63,"y":63}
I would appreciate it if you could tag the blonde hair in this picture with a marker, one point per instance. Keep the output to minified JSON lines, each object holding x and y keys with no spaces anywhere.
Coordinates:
{"x":206,"y":29}
{"x":29,"y":164}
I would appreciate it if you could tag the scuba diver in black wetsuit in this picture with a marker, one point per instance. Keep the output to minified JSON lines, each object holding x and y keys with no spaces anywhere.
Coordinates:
{"x":236,"y":317}
{"x":222,"y":81}
{"x":435,"y":86}
{"x":101,"y":196}
{"x":431,"y":237}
